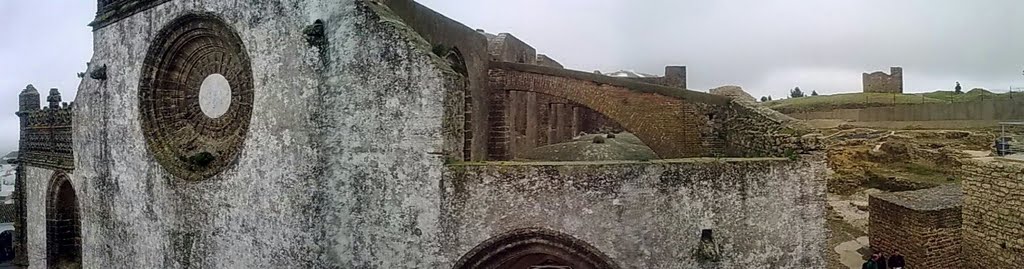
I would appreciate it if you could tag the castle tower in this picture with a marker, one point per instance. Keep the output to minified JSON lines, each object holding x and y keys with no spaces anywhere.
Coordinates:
{"x":675,"y":76}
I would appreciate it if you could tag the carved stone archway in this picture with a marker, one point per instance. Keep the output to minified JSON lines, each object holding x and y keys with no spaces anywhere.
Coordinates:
{"x":533,"y":248}
{"x":63,"y":224}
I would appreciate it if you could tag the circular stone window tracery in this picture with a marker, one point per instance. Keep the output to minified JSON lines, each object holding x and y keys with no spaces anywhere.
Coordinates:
{"x":195,"y":96}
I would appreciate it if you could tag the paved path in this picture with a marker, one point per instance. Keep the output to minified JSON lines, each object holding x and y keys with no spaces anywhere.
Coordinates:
{"x":848,"y":254}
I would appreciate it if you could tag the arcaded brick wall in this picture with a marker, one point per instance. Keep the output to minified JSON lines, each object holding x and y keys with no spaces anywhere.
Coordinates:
{"x":923,"y":225}
{"x":670,"y":126}
{"x":524,"y":120}
{"x":993,"y":225}
{"x":879,"y":82}
{"x":673,"y":122}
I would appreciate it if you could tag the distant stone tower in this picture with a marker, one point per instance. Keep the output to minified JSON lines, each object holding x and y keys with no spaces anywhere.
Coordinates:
{"x":675,"y":76}
{"x":879,"y":82}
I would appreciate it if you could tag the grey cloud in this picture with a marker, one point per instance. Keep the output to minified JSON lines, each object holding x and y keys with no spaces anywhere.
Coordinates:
{"x":766,"y":46}
{"x":769,"y":46}
{"x":44,"y":43}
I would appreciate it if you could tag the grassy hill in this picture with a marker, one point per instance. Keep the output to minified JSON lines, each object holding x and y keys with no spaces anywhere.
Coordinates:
{"x":864,"y":100}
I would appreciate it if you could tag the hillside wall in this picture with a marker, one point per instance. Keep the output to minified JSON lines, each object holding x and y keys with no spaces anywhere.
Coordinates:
{"x":1006,"y":109}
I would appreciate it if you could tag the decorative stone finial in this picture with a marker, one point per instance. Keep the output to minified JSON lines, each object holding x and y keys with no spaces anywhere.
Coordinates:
{"x":54,"y":98}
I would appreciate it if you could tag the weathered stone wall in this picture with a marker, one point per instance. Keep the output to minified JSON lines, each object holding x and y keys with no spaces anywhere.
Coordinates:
{"x":879,"y":82}
{"x":763,"y":212}
{"x":37,"y":179}
{"x":339,"y":168}
{"x":443,"y":32}
{"x":993,"y":222}
{"x":923,"y":225}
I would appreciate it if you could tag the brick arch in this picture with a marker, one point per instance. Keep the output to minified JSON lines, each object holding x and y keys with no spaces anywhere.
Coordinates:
{"x":530,"y":247}
{"x":63,"y":224}
{"x":673,"y":122}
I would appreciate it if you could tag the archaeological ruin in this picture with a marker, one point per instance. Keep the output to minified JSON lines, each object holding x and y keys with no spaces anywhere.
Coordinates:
{"x":923,"y":225}
{"x":381,"y":134}
{"x":976,"y":224}
{"x":879,"y":82}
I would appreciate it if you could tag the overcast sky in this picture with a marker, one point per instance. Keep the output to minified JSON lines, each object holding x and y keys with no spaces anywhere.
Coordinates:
{"x":765,"y":46}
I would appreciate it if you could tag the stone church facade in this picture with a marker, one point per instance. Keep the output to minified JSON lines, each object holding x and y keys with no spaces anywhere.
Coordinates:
{"x":381,"y":134}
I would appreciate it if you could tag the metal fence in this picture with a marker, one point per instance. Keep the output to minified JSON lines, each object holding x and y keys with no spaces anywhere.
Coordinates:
{"x":1011,"y":139}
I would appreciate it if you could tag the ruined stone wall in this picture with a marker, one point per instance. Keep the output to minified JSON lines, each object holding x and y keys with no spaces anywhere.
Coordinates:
{"x":879,"y":82}
{"x":762,"y":212}
{"x":339,"y":167}
{"x":749,"y":130}
{"x":923,"y":225}
{"x":993,"y":235}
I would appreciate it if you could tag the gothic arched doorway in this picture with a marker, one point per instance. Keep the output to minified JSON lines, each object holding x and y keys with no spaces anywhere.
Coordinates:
{"x":63,"y":225}
{"x":534,"y":248}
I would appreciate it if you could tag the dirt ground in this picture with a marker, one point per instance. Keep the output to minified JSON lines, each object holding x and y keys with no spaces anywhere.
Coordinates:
{"x":868,"y":161}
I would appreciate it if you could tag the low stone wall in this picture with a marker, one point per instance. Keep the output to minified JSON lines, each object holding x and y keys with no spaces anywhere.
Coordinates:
{"x":762,"y":211}
{"x":993,"y":227}
{"x":923,"y":225}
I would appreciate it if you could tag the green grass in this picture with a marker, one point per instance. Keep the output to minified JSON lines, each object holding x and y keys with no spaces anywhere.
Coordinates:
{"x":864,"y":100}
{"x":846,"y":100}
{"x":972,"y":95}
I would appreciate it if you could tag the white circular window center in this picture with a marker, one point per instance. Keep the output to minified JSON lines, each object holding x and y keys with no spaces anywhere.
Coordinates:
{"x":215,"y":96}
